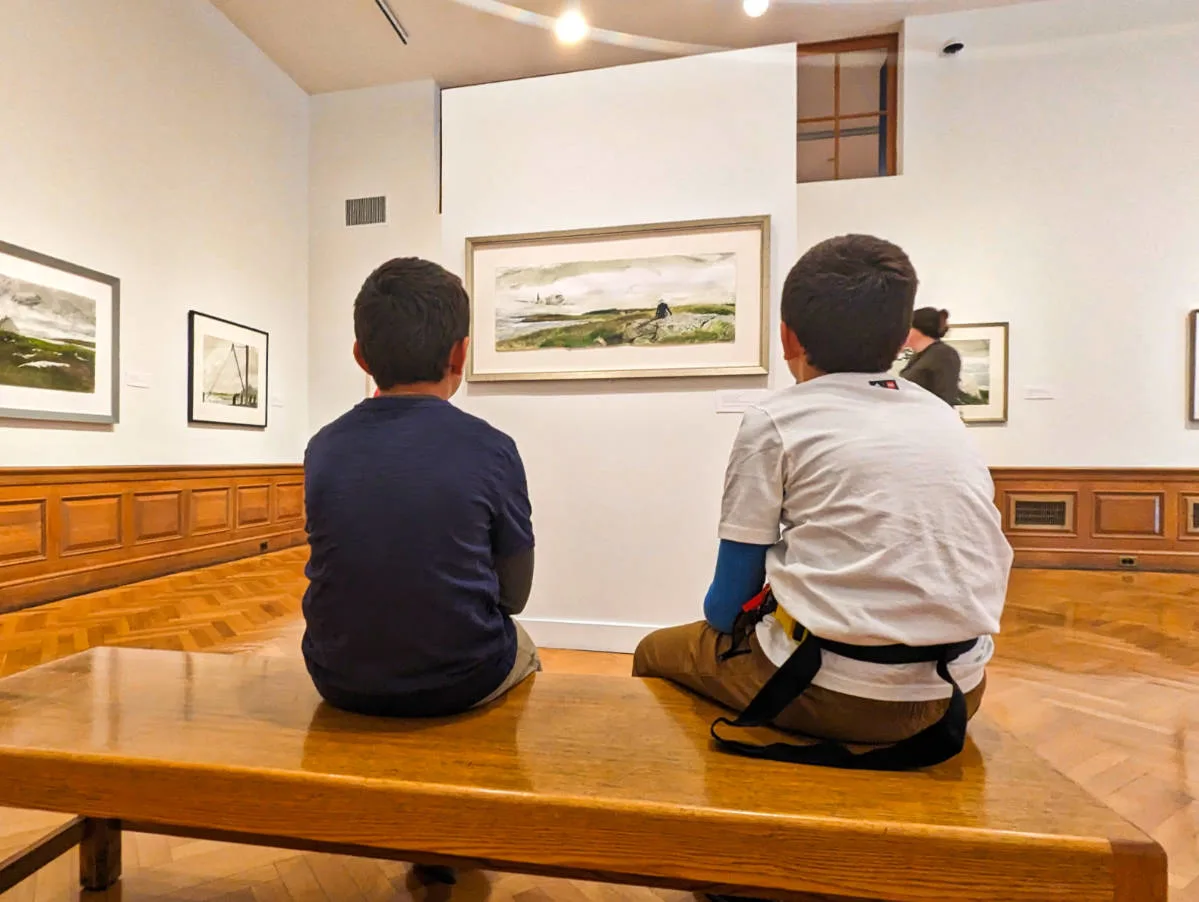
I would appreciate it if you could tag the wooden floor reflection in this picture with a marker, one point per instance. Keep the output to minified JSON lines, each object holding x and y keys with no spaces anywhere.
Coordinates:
{"x":1099,"y":672}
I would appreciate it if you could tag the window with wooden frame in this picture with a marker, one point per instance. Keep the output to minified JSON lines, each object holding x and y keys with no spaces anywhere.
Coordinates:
{"x":848,"y":109}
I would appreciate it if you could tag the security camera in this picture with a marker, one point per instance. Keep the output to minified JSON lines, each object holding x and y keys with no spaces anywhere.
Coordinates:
{"x":953,"y":48}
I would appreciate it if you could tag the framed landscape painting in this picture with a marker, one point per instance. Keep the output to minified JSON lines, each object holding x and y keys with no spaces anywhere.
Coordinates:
{"x":663,"y":300}
{"x":227,"y":372}
{"x":982,"y":391}
{"x":59,"y":348}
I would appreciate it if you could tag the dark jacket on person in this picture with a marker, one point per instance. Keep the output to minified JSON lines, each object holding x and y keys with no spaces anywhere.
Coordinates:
{"x":937,"y":368}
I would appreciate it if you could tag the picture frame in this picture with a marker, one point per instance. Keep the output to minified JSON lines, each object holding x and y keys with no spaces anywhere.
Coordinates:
{"x":1193,"y":366}
{"x":228,"y":369}
{"x":657,"y":300}
{"x":983,"y":389}
{"x":59,"y":340}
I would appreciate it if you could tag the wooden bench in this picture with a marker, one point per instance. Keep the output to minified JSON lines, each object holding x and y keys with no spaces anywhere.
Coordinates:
{"x":602,"y":778}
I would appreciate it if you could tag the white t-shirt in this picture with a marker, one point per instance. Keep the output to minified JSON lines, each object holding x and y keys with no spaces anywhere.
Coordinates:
{"x":881,"y":516}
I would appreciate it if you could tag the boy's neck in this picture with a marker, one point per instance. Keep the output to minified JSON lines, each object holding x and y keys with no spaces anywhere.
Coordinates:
{"x":443,"y":390}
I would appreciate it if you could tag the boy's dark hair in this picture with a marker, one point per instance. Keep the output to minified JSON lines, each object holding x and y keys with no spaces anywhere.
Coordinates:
{"x":849,"y":302}
{"x":408,"y":316}
{"x":931,"y":322}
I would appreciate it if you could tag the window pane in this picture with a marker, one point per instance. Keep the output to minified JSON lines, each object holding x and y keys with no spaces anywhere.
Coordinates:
{"x":815,"y":160}
{"x":861,"y":81}
{"x":862,"y":156}
{"x":815,"y":85}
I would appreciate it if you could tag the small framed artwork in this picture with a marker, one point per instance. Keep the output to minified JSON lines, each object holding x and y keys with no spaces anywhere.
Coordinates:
{"x":982,"y":391}
{"x":662,"y":300}
{"x":59,"y":347}
{"x":227,"y":372}
{"x":1193,"y":366}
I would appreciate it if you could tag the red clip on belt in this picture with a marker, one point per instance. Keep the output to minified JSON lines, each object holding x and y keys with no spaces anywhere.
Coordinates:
{"x":756,"y":602}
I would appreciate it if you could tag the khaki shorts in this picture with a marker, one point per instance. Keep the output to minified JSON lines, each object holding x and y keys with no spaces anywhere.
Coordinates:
{"x":690,"y":656}
{"x":527,"y":663}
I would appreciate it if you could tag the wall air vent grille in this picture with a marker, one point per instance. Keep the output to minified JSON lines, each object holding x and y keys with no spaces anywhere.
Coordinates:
{"x":366,"y":211}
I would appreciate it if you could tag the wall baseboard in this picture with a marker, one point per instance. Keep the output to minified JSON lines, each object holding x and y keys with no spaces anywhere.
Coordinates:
{"x":586,"y":635}
{"x":67,"y":531}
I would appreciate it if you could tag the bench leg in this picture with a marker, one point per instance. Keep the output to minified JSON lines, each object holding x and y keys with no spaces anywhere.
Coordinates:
{"x":27,"y":862}
{"x":100,"y":855}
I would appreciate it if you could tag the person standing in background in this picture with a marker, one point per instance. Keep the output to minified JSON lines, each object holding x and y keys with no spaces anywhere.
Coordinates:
{"x":934,"y":365}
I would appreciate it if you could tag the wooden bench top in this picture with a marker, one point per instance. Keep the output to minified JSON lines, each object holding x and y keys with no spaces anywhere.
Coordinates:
{"x":608,"y":777}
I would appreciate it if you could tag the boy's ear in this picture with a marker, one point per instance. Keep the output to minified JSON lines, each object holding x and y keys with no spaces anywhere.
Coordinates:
{"x":361,"y":361}
{"x":792,"y":349}
{"x":458,"y":356}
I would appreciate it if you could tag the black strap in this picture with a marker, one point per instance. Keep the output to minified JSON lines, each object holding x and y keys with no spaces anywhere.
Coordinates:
{"x":932,"y":745}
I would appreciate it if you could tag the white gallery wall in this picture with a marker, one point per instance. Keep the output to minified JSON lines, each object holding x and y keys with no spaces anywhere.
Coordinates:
{"x":1050,"y":180}
{"x":152,"y":141}
{"x":625,"y":477}
{"x":376,"y":141}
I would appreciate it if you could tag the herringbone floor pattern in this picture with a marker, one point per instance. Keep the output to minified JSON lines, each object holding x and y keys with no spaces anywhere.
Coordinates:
{"x":1099,"y":672}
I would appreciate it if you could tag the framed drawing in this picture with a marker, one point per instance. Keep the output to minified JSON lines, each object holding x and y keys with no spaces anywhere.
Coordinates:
{"x":1193,"y":366}
{"x":668,"y":299}
{"x":226,"y":372}
{"x":59,"y":347}
{"x":982,"y":392}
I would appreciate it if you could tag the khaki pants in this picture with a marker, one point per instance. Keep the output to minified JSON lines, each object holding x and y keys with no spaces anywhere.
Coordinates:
{"x":528,"y":662}
{"x":690,"y":656}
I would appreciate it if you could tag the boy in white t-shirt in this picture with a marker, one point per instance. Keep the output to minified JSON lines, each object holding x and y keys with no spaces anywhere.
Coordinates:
{"x":863,"y":503}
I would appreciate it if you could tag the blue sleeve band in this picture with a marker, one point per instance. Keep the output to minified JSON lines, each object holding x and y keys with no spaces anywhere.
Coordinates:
{"x":740,"y":575}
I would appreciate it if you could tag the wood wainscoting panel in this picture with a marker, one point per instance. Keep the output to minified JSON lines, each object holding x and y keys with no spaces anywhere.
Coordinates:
{"x":253,"y":505}
{"x":211,"y":510}
{"x":1129,"y":513}
{"x":289,"y":501}
{"x":22,"y":531}
{"x":72,"y":530}
{"x":1120,"y":519}
{"x":90,"y":524}
{"x":157,"y":516}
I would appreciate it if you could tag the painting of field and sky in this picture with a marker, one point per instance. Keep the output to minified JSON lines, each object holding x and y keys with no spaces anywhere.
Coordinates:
{"x":47,"y":337}
{"x":654,"y":301}
{"x":59,"y":342}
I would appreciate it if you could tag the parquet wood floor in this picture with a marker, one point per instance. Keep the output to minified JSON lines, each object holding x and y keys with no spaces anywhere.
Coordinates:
{"x":1099,"y":672}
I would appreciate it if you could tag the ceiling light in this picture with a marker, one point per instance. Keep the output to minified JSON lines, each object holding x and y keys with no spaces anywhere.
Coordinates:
{"x":572,"y":27}
{"x":755,"y":8}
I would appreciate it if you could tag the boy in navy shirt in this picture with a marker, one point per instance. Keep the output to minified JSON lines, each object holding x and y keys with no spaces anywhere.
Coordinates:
{"x":418,"y":520}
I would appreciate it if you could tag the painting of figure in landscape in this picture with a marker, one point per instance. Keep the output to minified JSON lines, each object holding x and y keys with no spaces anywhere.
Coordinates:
{"x":668,"y":300}
{"x":653,"y":301}
{"x":47,"y":337}
{"x":230,"y":373}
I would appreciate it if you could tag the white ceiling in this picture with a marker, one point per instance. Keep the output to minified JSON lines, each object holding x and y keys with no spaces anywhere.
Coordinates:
{"x":334,"y":45}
